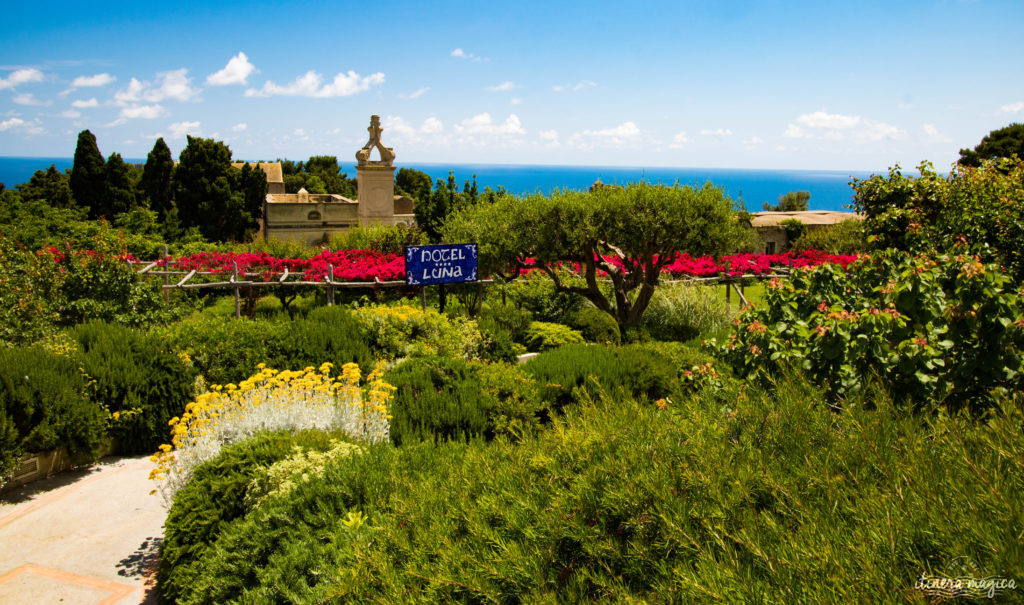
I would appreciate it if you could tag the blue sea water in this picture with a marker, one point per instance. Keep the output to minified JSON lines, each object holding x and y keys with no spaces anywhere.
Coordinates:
{"x":829,"y":189}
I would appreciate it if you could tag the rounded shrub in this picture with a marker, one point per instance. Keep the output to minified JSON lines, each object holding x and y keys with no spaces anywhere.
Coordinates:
{"x":542,"y":336}
{"x":596,"y":326}
{"x":437,"y":398}
{"x":138,"y":376}
{"x":43,"y":405}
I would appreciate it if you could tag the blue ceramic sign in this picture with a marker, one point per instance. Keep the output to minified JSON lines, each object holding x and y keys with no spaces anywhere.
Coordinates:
{"x":441,"y":264}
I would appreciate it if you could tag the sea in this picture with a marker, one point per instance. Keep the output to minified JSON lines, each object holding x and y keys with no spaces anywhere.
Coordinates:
{"x":830,"y":189}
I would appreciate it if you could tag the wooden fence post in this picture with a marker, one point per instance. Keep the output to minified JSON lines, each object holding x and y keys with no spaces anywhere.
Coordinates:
{"x":423,"y":297}
{"x":234,"y":279}
{"x":728,"y":297}
{"x":330,"y":288}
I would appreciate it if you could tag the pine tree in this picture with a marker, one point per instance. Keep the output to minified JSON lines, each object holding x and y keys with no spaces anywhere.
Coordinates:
{"x":118,"y":195}
{"x":157,"y":183}
{"x":50,"y":186}
{"x":88,"y":174}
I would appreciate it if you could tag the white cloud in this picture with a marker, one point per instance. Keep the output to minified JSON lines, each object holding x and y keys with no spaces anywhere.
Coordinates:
{"x":237,"y":71}
{"x":718,"y":132}
{"x":458,"y":53}
{"x":180,"y":129}
{"x":415,"y":94}
{"x":1017,"y":107}
{"x":482,"y":124}
{"x":92,"y":81}
{"x":679,"y":140}
{"x":503,"y":87}
{"x":145,"y":112}
{"x":31,"y":128}
{"x":83,"y":104}
{"x":623,"y":134}
{"x":516,"y":101}
{"x":432,"y":126}
{"x":752,"y":142}
{"x":27,"y":98}
{"x":905,"y":106}
{"x":21,"y":76}
{"x":239,"y":127}
{"x":396,"y":128}
{"x":11,"y":123}
{"x":575,"y":87}
{"x":311,"y":84}
{"x":838,"y":127}
{"x":933,"y":135}
{"x":174,"y":85}
{"x":548,"y":135}
{"x":70,"y":113}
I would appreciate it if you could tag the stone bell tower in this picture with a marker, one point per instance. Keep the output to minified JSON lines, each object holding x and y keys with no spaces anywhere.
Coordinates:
{"x":376,"y":180}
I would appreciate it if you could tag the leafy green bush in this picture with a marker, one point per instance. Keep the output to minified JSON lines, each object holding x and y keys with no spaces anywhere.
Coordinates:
{"x":536,"y":293}
{"x":437,"y":398}
{"x":223,"y":349}
{"x":943,"y":330}
{"x":399,"y":331}
{"x":331,"y":334}
{"x":96,"y":285}
{"x":510,"y":318}
{"x":596,"y":326}
{"x":634,"y":370}
{"x":982,"y":208}
{"x":43,"y":405}
{"x":215,"y":497}
{"x":542,"y":336}
{"x":138,"y":376}
{"x":391,"y":239}
{"x":846,"y":237}
{"x":29,"y":286}
{"x":499,"y":343}
{"x":625,"y":502}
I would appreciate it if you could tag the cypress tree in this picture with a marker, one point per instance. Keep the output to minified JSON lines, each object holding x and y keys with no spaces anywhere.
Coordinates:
{"x":88,"y":174}
{"x":254,"y":187}
{"x":156,"y":177}
{"x":118,"y":196}
{"x":202,"y":187}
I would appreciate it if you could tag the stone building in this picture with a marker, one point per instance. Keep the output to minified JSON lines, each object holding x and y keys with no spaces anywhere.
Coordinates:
{"x":773,"y":235}
{"x":312,"y":218}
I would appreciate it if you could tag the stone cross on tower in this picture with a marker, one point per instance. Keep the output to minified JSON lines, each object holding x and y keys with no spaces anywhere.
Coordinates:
{"x":376,"y":180}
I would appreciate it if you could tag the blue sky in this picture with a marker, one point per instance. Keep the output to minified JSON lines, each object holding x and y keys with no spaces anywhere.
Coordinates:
{"x":759,"y":84}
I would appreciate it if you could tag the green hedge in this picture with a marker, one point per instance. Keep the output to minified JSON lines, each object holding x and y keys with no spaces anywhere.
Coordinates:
{"x":43,"y":405}
{"x":215,"y":497}
{"x":776,"y":499}
{"x":636,"y":370}
{"x":140,"y":377}
{"x":226,"y":350}
{"x":443,"y":399}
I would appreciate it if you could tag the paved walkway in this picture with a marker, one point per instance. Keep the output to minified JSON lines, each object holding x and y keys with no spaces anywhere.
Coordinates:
{"x":82,"y":537}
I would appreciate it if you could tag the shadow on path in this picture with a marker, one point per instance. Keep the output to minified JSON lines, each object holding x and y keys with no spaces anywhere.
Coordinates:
{"x":142,"y":564}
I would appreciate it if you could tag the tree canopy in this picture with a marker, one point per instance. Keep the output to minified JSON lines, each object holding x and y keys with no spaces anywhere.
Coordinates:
{"x":629,"y":233}
{"x":794,"y":201}
{"x":156,"y":177}
{"x":50,"y":186}
{"x":980,"y":210}
{"x":88,"y":174}
{"x":1001,"y":143}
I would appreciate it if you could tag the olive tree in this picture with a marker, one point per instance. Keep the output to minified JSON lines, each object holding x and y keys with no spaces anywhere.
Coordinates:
{"x":623,"y":236}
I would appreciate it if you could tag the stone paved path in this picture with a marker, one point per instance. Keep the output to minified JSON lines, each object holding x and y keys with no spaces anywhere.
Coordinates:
{"x":82,"y":537}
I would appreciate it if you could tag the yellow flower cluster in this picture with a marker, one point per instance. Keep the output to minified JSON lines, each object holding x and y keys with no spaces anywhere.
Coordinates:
{"x":273,"y":400}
